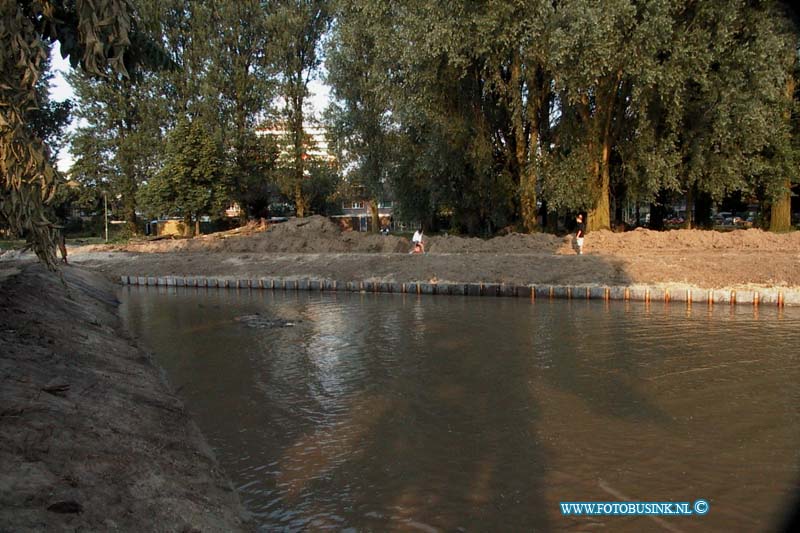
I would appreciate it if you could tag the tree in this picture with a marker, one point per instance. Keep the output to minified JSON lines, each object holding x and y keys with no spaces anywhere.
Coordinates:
{"x":49,"y":121}
{"x":121,"y":133}
{"x":96,"y":33}
{"x":238,"y":48}
{"x":499,"y":106}
{"x":600,"y":54}
{"x":780,"y":211}
{"x":468,"y":90}
{"x":358,"y":118}
{"x":193,"y":181}
{"x":297,"y":27}
{"x":715,"y":110}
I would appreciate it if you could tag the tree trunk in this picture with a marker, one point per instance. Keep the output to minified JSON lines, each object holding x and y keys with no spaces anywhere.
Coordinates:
{"x":657,"y":211}
{"x":543,"y":213}
{"x":619,"y":216}
{"x":528,"y":201}
{"x":128,"y":191}
{"x":781,"y":211}
{"x":300,"y":203}
{"x":197,"y":224}
{"x":552,"y":221}
{"x":702,"y":209}
{"x":688,"y":220}
{"x":780,"y":218}
{"x":376,"y":219}
{"x":600,"y":214}
{"x":131,"y":219}
{"x":526,"y":180}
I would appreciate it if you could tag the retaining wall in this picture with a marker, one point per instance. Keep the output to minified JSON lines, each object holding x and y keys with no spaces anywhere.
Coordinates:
{"x":686,"y":294}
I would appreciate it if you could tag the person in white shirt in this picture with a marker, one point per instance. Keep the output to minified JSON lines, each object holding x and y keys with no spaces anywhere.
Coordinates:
{"x":418,"y":243}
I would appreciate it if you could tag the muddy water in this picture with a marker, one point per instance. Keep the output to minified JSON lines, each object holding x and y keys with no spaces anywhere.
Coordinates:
{"x":397,"y":412}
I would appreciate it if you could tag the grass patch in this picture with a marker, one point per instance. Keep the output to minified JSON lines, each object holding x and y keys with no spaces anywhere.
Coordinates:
{"x":11,"y":244}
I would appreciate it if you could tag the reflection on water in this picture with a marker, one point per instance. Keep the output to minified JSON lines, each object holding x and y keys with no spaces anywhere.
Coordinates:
{"x":399,"y":412}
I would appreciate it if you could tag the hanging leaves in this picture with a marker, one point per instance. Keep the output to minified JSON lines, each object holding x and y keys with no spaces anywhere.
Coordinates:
{"x":27,"y":179}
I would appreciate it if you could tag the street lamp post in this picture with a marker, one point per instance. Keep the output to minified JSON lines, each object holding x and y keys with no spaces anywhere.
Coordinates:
{"x":105,"y":205}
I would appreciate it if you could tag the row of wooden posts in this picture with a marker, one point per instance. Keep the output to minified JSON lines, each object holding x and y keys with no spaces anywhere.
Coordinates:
{"x":689,"y":295}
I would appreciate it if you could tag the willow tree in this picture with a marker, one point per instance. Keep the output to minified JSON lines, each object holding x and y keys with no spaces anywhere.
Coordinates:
{"x":711,"y":119}
{"x":467,"y":88}
{"x":780,"y":211}
{"x":499,"y":105}
{"x":296,"y":28}
{"x":97,"y":34}
{"x":497,"y":55}
{"x":596,"y":54}
{"x":781,"y":206}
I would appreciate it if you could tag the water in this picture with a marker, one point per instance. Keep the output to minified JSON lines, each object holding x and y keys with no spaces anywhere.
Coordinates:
{"x":398,"y":412}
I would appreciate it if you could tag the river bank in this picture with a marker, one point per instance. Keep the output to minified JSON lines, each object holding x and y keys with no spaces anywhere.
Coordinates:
{"x":91,"y":438}
{"x":315,"y":248}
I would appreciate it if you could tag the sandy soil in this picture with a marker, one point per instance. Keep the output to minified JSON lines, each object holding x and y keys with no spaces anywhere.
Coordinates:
{"x":314,"y":247}
{"x":91,"y":439}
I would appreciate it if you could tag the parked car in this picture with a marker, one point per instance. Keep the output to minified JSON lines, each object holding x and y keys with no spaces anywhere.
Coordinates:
{"x":723,"y":218}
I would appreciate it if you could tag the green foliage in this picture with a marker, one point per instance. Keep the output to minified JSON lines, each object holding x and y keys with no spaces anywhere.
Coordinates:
{"x":296,"y":28}
{"x":476,"y":110}
{"x":49,"y":120}
{"x":252,"y":171}
{"x":119,"y":143}
{"x":194,"y":180}
{"x":358,"y":121}
{"x":566,"y":183}
{"x":238,"y":43}
{"x":500,"y":101}
{"x":320,"y":187}
{"x":95,"y":31}
{"x":463,"y":84}
{"x":726,"y":123}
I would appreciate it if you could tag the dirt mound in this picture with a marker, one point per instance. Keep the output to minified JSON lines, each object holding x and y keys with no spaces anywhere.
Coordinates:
{"x":691,"y":240}
{"x":319,"y":234}
{"x":315,"y":234}
{"x":514,"y":243}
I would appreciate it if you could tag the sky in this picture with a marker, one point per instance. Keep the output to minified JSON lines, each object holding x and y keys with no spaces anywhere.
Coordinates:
{"x":60,"y":90}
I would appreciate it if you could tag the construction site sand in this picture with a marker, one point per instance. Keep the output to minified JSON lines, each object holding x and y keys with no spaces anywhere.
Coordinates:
{"x":316,"y":247}
{"x":318,"y":234}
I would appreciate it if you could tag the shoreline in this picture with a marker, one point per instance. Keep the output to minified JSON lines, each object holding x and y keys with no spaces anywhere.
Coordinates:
{"x":316,"y":248}
{"x":676,"y":271}
{"x":759,"y":296}
{"x":92,"y":435}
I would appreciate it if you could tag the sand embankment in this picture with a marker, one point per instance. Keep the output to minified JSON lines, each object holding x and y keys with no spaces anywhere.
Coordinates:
{"x":91,"y":438}
{"x":315,"y":248}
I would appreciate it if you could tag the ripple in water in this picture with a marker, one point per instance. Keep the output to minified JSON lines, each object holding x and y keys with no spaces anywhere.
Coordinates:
{"x":393,"y":412}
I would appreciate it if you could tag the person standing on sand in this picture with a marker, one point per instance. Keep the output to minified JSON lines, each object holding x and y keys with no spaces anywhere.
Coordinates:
{"x":418,"y":246}
{"x":579,"y":233}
